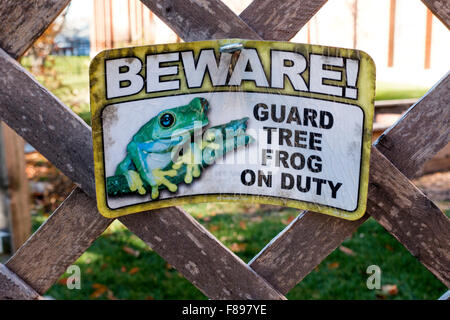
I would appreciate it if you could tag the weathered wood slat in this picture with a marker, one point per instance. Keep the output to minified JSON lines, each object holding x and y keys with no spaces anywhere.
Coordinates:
{"x":203,"y":260}
{"x":409,"y":216}
{"x":76,"y":223}
{"x":195,"y":20}
{"x":24,"y":21}
{"x":12,"y":287}
{"x":280,"y":19}
{"x":300,"y":247}
{"x":441,"y":9}
{"x":421,"y":132}
{"x":68,"y":232}
{"x":18,"y":191}
{"x":294,"y":256}
{"x":37,"y":115}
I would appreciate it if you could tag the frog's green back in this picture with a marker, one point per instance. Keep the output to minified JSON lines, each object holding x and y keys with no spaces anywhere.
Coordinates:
{"x":184,"y":118}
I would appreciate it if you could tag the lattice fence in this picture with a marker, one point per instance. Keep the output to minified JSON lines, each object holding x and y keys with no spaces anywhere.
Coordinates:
{"x":63,"y":138}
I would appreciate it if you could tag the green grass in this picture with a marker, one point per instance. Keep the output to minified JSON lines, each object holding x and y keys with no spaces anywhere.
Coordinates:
{"x":391,"y":91}
{"x":247,"y":229}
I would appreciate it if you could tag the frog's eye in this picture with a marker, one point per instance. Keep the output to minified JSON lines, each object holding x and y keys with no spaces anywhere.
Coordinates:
{"x":167,"y":120}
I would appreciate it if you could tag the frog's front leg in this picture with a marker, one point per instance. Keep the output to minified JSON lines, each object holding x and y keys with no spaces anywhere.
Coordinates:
{"x":126,"y":168}
{"x":153,"y":176}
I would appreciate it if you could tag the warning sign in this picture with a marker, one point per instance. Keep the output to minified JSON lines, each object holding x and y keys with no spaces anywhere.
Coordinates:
{"x":269,"y":122}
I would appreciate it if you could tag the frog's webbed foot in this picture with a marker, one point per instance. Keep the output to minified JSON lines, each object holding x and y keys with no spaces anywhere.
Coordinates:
{"x":192,"y":169}
{"x":135,"y":182}
{"x":160,"y":178}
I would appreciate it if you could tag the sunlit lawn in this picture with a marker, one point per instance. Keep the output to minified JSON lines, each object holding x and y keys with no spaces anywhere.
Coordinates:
{"x":119,"y":265}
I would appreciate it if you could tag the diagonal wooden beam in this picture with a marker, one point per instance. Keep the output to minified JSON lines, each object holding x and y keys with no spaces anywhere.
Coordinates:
{"x":280,"y":19}
{"x":22,"y":24}
{"x":411,"y":217}
{"x":199,"y":20}
{"x":62,"y":138}
{"x":441,"y":9}
{"x":418,"y":145}
{"x":196,"y":20}
{"x":24,"y":21}
{"x":12,"y":287}
{"x":312,"y":237}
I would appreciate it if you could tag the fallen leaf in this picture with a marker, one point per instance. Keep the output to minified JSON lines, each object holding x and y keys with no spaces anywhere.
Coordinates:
{"x":390,"y":289}
{"x":149,"y":298}
{"x":288,"y":220}
{"x":123,"y":269}
{"x":347,"y":251}
{"x":213,"y":228}
{"x":89,"y":271}
{"x":63,"y":281}
{"x":389,"y":247}
{"x":243,"y":225}
{"x":238,"y":247}
{"x":99,"y":290}
{"x":133,"y":270}
{"x":131,"y":251}
{"x":333,"y":265}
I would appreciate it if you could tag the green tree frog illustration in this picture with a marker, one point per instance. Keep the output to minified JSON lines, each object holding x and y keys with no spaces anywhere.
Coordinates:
{"x":154,"y":161}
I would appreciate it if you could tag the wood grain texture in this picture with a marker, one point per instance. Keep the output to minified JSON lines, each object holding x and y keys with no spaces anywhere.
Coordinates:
{"x":203,"y":260}
{"x":195,"y":20}
{"x":13,"y":288}
{"x":413,"y":219}
{"x":68,"y":232}
{"x":18,"y":191}
{"x":76,"y":223}
{"x":421,"y":132}
{"x":300,"y":247}
{"x":441,"y":9}
{"x":43,"y":120}
{"x":24,"y":21}
{"x":280,"y":19}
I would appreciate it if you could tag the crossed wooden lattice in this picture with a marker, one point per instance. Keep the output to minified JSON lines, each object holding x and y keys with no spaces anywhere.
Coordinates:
{"x":63,"y":138}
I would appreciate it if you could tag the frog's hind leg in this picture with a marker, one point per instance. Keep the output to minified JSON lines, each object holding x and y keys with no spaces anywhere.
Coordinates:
{"x":127,"y":168}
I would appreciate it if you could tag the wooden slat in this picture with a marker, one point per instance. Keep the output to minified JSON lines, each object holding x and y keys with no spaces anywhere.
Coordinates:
{"x":409,"y":216}
{"x":421,"y":132}
{"x":441,"y":9}
{"x":290,"y":256}
{"x":300,"y":247}
{"x":196,"y":20}
{"x":76,"y":223}
{"x":280,"y":19}
{"x":43,"y":120}
{"x":24,"y":21}
{"x":18,"y":191}
{"x":203,"y":260}
{"x":393,"y":106}
{"x":68,"y":232}
{"x":12,"y":287}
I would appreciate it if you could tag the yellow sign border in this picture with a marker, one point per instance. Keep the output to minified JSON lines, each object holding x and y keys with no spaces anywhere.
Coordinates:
{"x":366,"y":95}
